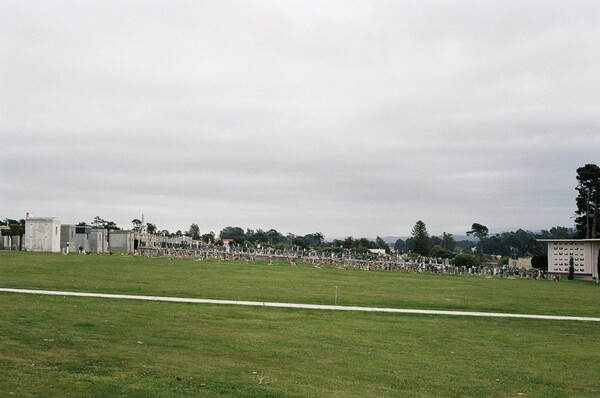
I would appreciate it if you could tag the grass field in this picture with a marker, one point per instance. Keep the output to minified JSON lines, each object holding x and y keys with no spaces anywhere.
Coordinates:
{"x":54,"y":345}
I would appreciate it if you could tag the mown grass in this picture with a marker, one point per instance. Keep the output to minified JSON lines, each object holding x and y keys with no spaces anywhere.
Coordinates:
{"x":58,"y":346}
{"x":302,"y":284}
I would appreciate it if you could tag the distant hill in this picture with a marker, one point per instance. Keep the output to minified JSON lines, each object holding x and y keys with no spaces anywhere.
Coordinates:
{"x":392,"y":239}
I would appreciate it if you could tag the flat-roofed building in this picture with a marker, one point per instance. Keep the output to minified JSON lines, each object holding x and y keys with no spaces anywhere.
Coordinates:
{"x":584,"y":252}
{"x":121,"y":241}
{"x":86,"y":237}
{"x":42,"y":234}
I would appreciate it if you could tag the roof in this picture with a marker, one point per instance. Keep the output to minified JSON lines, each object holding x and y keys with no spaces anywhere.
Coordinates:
{"x":569,"y":240}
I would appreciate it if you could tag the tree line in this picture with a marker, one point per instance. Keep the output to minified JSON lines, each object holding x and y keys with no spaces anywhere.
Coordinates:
{"x":517,"y":243}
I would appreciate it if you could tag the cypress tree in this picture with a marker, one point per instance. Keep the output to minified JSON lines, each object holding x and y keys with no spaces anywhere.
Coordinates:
{"x":571,"y":269}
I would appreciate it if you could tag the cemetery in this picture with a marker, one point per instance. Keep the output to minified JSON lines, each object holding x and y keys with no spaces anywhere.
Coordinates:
{"x":47,"y":234}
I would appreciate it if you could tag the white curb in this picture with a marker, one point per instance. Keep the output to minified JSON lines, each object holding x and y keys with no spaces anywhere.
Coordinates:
{"x":302,"y":306}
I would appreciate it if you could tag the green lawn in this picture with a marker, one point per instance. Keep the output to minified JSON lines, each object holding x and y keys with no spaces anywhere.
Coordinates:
{"x":54,"y":345}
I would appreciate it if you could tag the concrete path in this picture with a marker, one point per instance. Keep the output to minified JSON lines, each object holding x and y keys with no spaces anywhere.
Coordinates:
{"x":303,"y":306}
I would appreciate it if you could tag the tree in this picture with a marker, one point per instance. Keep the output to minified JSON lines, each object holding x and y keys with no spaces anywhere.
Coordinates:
{"x":540,"y":261}
{"x":448,"y":241}
{"x":349,"y":242}
{"x":514,"y":244}
{"x":208,"y":238}
{"x":436,"y":241}
{"x":319,"y":238}
{"x":194,"y":232}
{"x":363,"y":245}
{"x":571,"y":269}
{"x":421,"y":242}
{"x":588,"y":201}
{"x":557,"y":233}
{"x":98,"y":222}
{"x":481,"y":232}
{"x":235,"y":233}
{"x":399,"y":245}
{"x":274,"y":237}
{"x":381,"y":244}
{"x":110,"y":225}
{"x":137,"y":225}
{"x":291,"y":237}
{"x":439,"y":251}
{"x":303,"y":242}
{"x":465,"y":260}
{"x":151,"y":228}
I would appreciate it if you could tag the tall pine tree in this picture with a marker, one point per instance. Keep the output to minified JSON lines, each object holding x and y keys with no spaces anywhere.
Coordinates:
{"x":421,"y":241}
{"x":587,"y":221}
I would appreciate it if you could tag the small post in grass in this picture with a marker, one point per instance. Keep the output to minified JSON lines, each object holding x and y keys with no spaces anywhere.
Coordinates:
{"x":336,"y":295}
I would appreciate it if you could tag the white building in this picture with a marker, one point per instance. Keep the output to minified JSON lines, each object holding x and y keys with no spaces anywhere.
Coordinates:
{"x":42,"y":234}
{"x":584,"y":252}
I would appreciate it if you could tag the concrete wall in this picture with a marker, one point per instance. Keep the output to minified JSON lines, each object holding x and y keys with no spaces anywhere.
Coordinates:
{"x":82,"y":237}
{"x":521,"y":262}
{"x":120,"y":241}
{"x":77,"y":236}
{"x":67,"y":235}
{"x":98,"y":240}
{"x":42,"y":234}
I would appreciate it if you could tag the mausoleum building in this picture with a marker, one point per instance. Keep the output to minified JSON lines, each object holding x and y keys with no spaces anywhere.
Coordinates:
{"x":585,"y":253}
{"x":42,"y":234}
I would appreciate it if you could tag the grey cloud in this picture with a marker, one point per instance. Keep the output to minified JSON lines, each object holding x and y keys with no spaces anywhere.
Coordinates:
{"x":353,"y":118}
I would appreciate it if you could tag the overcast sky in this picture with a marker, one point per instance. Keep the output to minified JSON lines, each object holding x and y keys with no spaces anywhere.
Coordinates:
{"x":351,"y":118}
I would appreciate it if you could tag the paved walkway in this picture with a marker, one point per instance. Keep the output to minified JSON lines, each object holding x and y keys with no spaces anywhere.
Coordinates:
{"x":303,"y":306}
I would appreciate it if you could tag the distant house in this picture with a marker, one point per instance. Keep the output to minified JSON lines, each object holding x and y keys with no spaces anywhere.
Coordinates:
{"x":584,"y":252}
{"x":42,"y":234}
{"x":379,"y":252}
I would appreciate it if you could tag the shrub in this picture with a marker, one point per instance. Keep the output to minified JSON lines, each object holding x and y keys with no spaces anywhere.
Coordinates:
{"x":540,"y":261}
{"x":465,"y":260}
